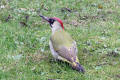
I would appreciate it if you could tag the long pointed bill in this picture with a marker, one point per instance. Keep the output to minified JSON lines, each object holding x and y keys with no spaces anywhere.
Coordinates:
{"x":45,"y":18}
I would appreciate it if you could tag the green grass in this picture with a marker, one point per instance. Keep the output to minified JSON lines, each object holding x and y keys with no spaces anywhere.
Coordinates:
{"x":24,"y":50}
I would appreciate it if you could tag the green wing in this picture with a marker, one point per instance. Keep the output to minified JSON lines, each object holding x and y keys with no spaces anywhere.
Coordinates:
{"x":64,"y":45}
{"x":61,"y":38}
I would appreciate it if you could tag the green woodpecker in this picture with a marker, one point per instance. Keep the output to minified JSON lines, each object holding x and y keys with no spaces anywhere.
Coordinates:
{"x":62,"y":46}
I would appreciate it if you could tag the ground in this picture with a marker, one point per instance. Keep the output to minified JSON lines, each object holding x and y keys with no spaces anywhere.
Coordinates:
{"x":24,"y":37}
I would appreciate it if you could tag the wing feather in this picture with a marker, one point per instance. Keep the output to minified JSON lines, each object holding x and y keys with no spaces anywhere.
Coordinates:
{"x":60,"y":45}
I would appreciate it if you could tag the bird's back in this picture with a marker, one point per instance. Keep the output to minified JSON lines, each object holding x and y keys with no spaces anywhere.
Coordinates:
{"x":61,"y":38}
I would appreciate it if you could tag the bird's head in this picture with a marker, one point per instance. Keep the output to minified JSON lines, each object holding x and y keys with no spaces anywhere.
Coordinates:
{"x":55,"y":23}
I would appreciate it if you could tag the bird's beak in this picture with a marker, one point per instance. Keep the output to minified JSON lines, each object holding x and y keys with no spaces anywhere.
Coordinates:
{"x":45,"y":18}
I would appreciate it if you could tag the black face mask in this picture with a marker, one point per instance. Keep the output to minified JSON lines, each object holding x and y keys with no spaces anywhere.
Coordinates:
{"x":51,"y":21}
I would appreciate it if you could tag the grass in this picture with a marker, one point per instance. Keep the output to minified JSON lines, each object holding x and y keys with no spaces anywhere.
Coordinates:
{"x":24,"y":49}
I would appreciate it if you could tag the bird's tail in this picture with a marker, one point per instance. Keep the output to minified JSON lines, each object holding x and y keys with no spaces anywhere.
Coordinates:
{"x":76,"y":65}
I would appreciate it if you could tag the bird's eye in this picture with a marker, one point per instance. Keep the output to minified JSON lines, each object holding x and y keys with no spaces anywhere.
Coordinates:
{"x":51,"y":21}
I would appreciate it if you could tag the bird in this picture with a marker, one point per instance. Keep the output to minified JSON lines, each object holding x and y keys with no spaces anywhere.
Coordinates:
{"x":61,"y":44}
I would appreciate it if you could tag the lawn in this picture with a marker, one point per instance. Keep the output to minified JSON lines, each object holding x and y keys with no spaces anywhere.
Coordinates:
{"x":24,"y":38}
